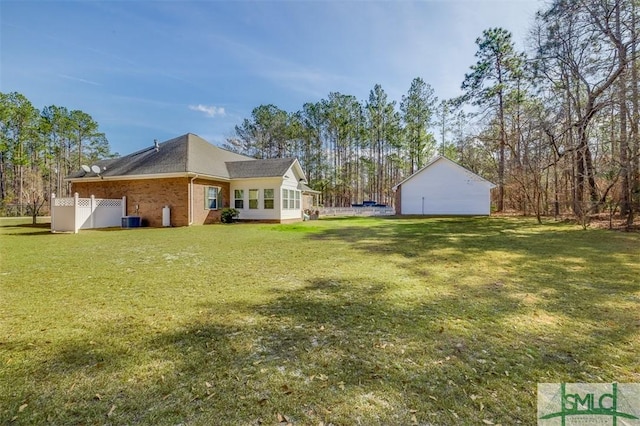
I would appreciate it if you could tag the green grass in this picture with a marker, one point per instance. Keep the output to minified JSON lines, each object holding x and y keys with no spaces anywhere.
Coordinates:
{"x":345,"y":321}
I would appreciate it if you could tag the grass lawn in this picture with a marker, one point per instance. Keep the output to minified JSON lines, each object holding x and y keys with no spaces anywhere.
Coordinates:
{"x":345,"y":321}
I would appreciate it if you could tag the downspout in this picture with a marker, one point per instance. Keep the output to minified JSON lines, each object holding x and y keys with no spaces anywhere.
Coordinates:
{"x":191,"y":199}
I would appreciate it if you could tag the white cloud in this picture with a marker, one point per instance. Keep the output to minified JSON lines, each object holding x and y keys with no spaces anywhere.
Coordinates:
{"x":77,"y":79}
{"x":209,"y":110}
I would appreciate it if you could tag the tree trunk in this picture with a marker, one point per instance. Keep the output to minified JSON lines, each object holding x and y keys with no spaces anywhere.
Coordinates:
{"x":625,"y":164}
{"x":3,"y":191}
{"x":501,"y":147}
{"x":634,"y":172}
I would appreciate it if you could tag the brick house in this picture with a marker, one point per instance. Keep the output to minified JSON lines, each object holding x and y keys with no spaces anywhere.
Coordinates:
{"x":196,"y":180}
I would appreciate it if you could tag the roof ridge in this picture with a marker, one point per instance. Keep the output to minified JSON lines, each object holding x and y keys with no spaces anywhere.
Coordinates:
{"x":142,"y":151}
{"x":264,"y":159}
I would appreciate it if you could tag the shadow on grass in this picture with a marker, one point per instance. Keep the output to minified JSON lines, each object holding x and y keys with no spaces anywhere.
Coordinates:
{"x":555,"y":252}
{"x":331,"y":351}
{"x":569,"y":270}
{"x":344,"y":351}
{"x":37,"y":225}
{"x":311,"y":355}
{"x":24,"y":229}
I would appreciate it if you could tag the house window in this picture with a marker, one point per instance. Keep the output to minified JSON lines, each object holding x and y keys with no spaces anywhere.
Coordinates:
{"x":211,"y":197}
{"x":290,"y":199}
{"x":238,"y":196}
{"x":253,"y":198}
{"x":268,"y":198}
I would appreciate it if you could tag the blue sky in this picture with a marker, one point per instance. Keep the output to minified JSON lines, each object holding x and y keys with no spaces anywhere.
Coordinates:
{"x":148,"y":70}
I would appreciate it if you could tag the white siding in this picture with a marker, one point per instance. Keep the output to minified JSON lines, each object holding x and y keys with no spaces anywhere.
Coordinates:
{"x":260,"y":184}
{"x":289,"y":182}
{"x":444,"y":188}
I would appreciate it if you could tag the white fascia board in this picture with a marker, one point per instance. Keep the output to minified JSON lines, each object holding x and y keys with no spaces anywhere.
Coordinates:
{"x":467,"y":171}
{"x":298,"y":167}
{"x":438,"y":158}
{"x":417,"y":172}
{"x":281,"y":178}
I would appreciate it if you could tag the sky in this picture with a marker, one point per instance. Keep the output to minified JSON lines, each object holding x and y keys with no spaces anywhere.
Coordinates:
{"x":158,"y":69}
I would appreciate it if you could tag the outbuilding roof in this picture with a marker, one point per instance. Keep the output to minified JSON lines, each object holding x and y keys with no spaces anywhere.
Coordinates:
{"x":445,"y":159}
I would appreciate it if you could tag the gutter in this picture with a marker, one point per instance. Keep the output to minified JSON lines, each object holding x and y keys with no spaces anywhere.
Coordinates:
{"x":140,"y":177}
{"x":191,"y":199}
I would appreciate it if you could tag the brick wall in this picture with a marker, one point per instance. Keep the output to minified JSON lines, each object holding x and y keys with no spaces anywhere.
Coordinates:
{"x":200,"y":214}
{"x":151,"y":195}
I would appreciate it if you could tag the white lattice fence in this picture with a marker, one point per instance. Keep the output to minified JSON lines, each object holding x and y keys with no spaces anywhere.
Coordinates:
{"x":74,"y":213}
{"x":108,"y":212}
{"x":84,"y":210}
{"x":63,"y":214}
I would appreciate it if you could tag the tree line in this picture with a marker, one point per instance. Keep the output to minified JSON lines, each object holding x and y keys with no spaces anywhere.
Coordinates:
{"x":554,"y":127}
{"x":39,"y":148}
{"x":350,"y":150}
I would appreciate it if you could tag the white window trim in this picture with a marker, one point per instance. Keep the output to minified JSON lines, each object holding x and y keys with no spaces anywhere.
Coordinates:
{"x":257,"y":199}
{"x":292,"y":199}
{"x":264,"y":198}
{"x":207,"y":203}
{"x":238,"y":199}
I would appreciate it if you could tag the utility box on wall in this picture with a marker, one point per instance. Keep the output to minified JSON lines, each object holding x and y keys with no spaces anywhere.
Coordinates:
{"x":166,"y":216}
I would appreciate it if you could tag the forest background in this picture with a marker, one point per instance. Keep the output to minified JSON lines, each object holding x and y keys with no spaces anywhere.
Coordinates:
{"x":555,"y":127}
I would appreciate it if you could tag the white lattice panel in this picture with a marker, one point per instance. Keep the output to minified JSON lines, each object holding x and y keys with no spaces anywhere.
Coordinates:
{"x":105,"y":202}
{"x":63,"y":202}
{"x":84,"y":202}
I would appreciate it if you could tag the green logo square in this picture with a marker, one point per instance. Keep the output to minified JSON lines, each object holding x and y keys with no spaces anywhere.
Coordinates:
{"x":578,"y":404}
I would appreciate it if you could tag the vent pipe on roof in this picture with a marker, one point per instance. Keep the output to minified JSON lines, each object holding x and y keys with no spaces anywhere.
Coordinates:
{"x":155,"y":145}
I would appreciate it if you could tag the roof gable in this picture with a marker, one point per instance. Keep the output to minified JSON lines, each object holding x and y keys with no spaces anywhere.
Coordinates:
{"x":440,"y":159}
{"x":270,"y":167}
{"x":209,"y":159}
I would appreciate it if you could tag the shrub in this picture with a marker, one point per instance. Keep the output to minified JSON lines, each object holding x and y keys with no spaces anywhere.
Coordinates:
{"x":228,"y":215}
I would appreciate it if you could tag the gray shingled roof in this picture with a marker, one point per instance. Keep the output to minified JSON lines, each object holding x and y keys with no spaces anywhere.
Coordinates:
{"x":305,"y":188}
{"x":272,"y":167}
{"x":185,"y":154}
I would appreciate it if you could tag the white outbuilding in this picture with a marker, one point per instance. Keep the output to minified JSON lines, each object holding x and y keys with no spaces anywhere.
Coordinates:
{"x":443,"y":187}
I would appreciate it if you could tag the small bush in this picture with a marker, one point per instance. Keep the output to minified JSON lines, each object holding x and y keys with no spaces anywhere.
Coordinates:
{"x":229,"y":215}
